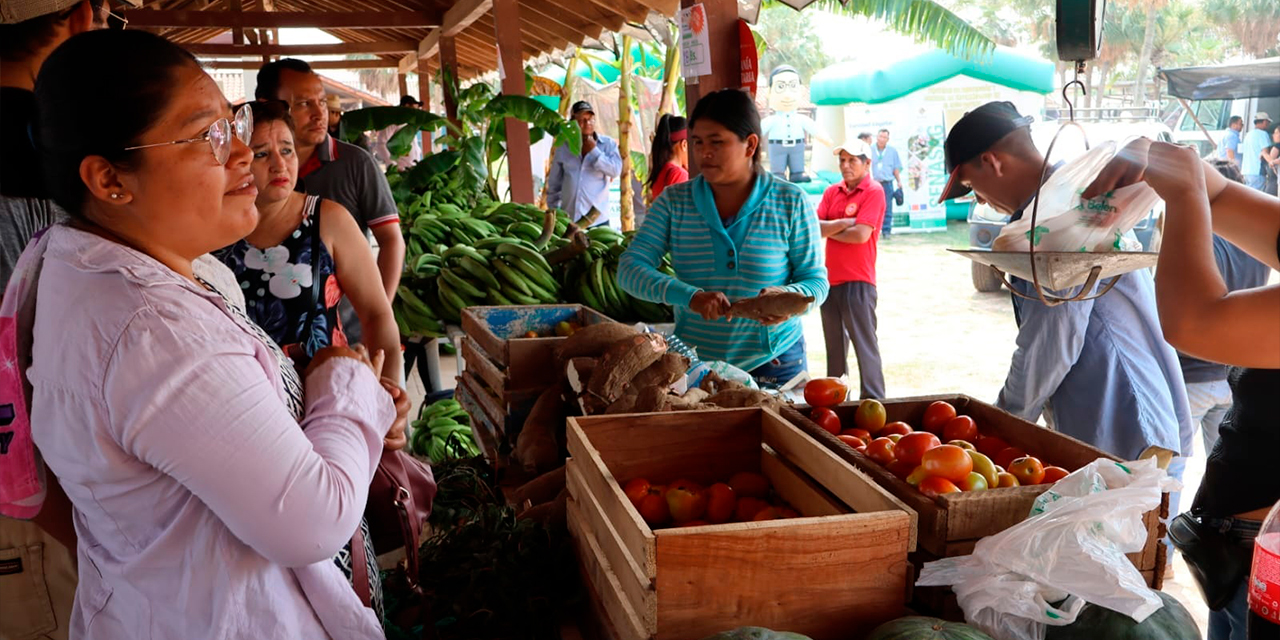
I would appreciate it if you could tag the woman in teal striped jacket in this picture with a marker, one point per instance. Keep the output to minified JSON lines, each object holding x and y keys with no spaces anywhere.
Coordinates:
{"x":732,"y":232}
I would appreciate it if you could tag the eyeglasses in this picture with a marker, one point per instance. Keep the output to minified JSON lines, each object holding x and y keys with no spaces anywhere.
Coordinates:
{"x":218,"y":135}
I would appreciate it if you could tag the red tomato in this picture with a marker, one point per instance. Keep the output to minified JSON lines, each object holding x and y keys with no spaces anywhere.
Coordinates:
{"x":947,"y":461}
{"x":852,"y":441}
{"x":870,"y":416}
{"x":912,"y":446}
{"x":960,"y":428}
{"x":827,"y":419}
{"x":1053,"y":474}
{"x":825,"y":392}
{"x":900,"y":428}
{"x":881,"y":451}
{"x":933,"y":486}
{"x":937,"y":415}
{"x":901,"y":468}
{"x":857,"y":433}
{"x":1007,"y":455}
{"x":1027,"y":470}
{"x":991,"y":446}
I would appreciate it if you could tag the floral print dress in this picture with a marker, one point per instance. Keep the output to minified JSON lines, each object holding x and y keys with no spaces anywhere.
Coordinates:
{"x":277,"y":284}
{"x":277,"y":290}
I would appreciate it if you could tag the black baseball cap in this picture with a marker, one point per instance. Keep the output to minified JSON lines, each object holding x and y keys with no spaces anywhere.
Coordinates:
{"x":974,"y":134}
{"x":579,"y":107}
{"x":409,"y":101}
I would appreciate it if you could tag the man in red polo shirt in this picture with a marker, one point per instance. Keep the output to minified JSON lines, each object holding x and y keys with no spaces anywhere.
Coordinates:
{"x":850,"y":215}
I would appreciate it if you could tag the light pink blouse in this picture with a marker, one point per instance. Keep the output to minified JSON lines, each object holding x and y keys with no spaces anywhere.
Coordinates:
{"x":203,"y":510}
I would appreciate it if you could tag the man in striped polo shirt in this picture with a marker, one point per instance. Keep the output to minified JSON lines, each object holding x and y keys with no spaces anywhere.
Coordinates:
{"x":850,"y":216}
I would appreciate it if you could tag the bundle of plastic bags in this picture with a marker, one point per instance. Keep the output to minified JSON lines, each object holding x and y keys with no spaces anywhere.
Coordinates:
{"x":1069,"y":552}
{"x":1065,"y":221}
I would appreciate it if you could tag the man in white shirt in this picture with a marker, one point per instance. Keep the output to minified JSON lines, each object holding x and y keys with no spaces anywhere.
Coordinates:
{"x":580,"y":181}
{"x":785,"y":130}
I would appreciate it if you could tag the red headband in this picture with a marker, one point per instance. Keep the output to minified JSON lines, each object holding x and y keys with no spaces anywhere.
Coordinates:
{"x":677,"y":136}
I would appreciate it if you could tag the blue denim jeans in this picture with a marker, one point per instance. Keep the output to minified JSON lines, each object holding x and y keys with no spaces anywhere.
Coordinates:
{"x":782,"y":369}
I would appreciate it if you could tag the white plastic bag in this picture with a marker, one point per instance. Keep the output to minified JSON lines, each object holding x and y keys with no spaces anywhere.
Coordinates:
{"x":1071,"y":547}
{"x":1067,"y":222}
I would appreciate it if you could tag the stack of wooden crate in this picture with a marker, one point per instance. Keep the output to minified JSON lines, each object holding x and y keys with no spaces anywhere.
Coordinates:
{"x":504,"y":371}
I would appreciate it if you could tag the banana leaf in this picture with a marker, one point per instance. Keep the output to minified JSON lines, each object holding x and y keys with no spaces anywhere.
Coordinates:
{"x":435,"y":164}
{"x":412,"y":121}
{"x":528,"y":110}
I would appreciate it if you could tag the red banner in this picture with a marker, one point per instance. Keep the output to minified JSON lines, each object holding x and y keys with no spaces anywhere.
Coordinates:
{"x":749,"y":58}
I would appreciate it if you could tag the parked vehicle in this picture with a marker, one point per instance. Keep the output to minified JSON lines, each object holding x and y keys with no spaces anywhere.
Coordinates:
{"x":985,"y":223}
{"x":1217,"y":93}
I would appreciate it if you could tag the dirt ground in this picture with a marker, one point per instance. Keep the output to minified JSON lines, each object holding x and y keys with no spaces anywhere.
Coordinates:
{"x":939,"y":335}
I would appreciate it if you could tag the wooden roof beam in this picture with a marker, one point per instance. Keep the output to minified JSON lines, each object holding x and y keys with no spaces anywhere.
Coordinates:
{"x":456,"y":20}
{"x":153,"y":18}
{"x":286,"y":50}
{"x":550,"y":24}
{"x":532,"y":38}
{"x":317,"y":64}
{"x":593,"y":15}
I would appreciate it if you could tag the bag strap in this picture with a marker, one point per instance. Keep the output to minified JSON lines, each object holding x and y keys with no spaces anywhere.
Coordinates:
{"x":313,"y":211}
{"x":360,"y":569}
{"x":404,"y":505}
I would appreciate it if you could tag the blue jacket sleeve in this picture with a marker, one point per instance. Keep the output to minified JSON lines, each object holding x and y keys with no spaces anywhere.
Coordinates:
{"x":1049,"y":343}
{"x":638,"y":272}
{"x":808,"y":273}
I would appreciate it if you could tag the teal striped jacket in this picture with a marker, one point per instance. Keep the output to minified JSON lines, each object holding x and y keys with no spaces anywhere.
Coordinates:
{"x":772,"y":242}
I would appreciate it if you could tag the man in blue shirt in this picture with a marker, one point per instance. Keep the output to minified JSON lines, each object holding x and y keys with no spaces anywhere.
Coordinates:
{"x":1251,"y":149}
{"x":886,"y":168}
{"x":579,"y":182}
{"x":1230,"y":149}
{"x":1103,"y":365}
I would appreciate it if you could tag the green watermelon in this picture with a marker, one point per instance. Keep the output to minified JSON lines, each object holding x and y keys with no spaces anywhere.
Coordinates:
{"x":1170,"y":622}
{"x":756,"y":633}
{"x":924,"y":628}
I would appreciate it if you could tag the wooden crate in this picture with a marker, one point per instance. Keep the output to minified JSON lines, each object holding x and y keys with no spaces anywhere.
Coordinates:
{"x":518,"y":364}
{"x":953,"y":523}
{"x":836,"y":572}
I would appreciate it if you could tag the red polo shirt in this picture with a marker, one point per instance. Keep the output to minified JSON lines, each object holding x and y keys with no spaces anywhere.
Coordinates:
{"x":853,"y":262}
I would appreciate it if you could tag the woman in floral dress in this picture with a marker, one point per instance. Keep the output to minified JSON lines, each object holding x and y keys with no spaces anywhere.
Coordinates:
{"x":304,"y":255}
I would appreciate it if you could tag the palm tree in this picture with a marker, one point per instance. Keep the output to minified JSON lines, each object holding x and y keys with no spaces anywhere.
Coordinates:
{"x":1254,"y":23}
{"x":925,"y":20}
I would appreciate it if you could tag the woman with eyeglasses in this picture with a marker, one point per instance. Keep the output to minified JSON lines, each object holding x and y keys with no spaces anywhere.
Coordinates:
{"x":305,"y":253}
{"x":210,"y":498}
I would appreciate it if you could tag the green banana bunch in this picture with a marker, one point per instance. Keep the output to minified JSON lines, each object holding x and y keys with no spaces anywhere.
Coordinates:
{"x":443,"y":431}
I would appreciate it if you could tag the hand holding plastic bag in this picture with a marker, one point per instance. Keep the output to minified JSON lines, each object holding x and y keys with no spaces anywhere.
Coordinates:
{"x":1071,"y":551}
{"x":1065,"y":221}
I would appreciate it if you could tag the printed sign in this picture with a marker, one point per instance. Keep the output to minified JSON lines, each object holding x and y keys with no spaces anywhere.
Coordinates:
{"x":749,"y":56}
{"x":695,"y":50}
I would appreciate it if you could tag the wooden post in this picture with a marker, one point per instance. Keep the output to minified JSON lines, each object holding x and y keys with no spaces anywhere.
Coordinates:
{"x":722,"y":34}
{"x":506,"y":19}
{"x":449,"y":69}
{"x":403,"y":80}
{"x":424,"y":94}
{"x":628,"y":213}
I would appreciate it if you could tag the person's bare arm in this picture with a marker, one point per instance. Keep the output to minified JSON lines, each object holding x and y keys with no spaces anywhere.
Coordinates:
{"x":1248,"y":218}
{"x":390,"y":257}
{"x":835,"y":227}
{"x":1199,"y":315}
{"x":359,"y":276}
{"x":858,"y":234}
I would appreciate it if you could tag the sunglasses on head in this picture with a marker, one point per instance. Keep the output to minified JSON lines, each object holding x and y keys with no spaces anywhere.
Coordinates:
{"x":218,"y":135}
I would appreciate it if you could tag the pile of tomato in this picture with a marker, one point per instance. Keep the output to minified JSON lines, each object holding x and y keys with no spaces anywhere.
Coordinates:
{"x":746,"y":497}
{"x":947,"y":455}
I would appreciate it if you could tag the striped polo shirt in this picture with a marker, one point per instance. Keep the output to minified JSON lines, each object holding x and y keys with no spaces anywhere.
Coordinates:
{"x":773,"y":241}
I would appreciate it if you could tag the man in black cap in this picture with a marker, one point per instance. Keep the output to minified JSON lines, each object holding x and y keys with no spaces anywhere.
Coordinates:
{"x":1103,"y":365}
{"x":579,"y":182}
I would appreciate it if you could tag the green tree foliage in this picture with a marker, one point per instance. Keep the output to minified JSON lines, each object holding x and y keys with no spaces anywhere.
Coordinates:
{"x":788,"y":37}
{"x":1253,"y":23}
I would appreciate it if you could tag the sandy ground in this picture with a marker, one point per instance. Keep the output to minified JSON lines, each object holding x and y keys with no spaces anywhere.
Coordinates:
{"x":938,"y":335}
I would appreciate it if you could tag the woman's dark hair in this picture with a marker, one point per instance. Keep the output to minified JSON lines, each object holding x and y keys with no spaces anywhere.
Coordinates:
{"x":660,"y":152}
{"x":1228,"y":169}
{"x":265,"y":111}
{"x":125,"y":104}
{"x":734,"y":110}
